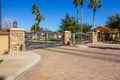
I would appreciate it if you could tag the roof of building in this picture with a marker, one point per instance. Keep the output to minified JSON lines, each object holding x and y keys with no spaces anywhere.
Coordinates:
{"x":103,"y":28}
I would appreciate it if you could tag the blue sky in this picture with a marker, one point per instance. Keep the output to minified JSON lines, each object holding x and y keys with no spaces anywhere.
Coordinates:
{"x":54,"y":11}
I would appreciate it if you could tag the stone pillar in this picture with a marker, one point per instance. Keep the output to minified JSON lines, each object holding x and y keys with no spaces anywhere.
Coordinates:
{"x":67,"y":37}
{"x":17,"y":39}
{"x":96,"y":37}
{"x":93,"y":37}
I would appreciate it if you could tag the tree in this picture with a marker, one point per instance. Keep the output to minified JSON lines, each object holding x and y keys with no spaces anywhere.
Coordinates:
{"x":94,"y":4}
{"x":35,"y":10}
{"x":39,"y":18}
{"x":68,"y":23}
{"x":86,"y":28}
{"x":114,"y":21}
{"x":35,"y":28}
{"x":79,"y":3}
{"x":76,"y":6}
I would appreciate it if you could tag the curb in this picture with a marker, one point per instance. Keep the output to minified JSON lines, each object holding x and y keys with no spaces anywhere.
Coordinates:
{"x":27,"y":68}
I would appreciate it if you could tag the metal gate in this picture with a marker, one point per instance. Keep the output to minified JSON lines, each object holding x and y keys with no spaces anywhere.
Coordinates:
{"x":81,"y":38}
{"x":43,"y":39}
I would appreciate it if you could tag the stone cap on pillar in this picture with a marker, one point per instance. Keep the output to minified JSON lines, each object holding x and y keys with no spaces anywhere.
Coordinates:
{"x":16,"y":29}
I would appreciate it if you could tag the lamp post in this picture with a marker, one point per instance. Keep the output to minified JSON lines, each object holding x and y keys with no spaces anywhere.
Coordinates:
{"x":0,"y":14}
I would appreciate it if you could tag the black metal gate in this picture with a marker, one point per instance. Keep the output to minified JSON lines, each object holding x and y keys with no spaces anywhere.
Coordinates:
{"x":43,"y":39}
{"x":81,"y":38}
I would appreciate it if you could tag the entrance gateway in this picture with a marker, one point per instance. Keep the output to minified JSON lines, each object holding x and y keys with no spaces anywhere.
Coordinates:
{"x":43,"y":39}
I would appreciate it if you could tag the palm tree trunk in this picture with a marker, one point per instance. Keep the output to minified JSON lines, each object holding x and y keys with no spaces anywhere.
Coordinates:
{"x":77,"y":21}
{"x":77,"y":13}
{"x":35,"y":24}
{"x":39,"y":25}
{"x":81,"y":18}
{"x":81,"y":21}
{"x":0,"y":15}
{"x":93,"y":20}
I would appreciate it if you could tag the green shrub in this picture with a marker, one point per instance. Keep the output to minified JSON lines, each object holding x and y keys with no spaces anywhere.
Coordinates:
{"x":54,"y":39}
{"x":1,"y":61}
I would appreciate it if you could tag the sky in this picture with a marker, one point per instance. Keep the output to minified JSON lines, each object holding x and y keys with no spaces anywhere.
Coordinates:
{"x":53,"y":11}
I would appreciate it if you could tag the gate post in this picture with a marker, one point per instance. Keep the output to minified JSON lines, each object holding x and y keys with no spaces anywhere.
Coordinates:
{"x":93,"y":37}
{"x":17,"y":39}
{"x":67,"y":37}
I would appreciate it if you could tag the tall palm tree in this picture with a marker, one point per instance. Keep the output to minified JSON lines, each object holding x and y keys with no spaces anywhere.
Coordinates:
{"x":94,"y":4}
{"x":39,"y":18}
{"x":35,"y":10}
{"x":76,"y":6}
{"x":79,"y":4}
{"x":0,"y":15}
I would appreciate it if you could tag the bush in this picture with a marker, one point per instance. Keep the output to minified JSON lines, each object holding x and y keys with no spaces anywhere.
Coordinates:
{"x":54,"y":39}
{"x":1,"y":61}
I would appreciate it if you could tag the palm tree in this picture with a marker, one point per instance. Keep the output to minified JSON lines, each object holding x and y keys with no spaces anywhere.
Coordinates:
{"x":35,"y":10}
{"x":95,"y":4}
{"x":76,"y":6}
{"x":36,"y":27}
{"x":0,"y":15}
{"x":39,"y":18}
{"x":79,"y":4}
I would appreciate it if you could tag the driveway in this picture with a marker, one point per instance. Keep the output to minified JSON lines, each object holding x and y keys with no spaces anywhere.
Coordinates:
{"x":85,"y":62}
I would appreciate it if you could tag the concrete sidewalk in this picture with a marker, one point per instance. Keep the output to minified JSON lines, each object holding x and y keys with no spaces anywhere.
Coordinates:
{"x":17,"y":65}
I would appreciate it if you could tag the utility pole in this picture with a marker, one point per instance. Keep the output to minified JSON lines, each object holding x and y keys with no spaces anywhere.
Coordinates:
{"x":0,"y":14}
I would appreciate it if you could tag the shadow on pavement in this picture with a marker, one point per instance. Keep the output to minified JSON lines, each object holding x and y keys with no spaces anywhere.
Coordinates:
{"x":38,"y":45}
{"x":103,"y":58}
{"x":92,"y":52}
{"x":104,"y":47}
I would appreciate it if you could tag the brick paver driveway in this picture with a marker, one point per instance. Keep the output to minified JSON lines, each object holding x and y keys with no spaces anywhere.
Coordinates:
{"x":96,"y":62}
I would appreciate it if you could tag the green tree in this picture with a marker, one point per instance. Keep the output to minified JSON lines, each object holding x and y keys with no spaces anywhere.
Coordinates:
{"x":114,"y":21}
{"x":35,"y":28}
{"x":39,"y":18}
{"x":86,"y":28}
{"x":79,"y":4}
{"x":35,"y":11}
{"x":76,"y":6}
{"x":69,"y":23}
{"x":94,"y":4}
